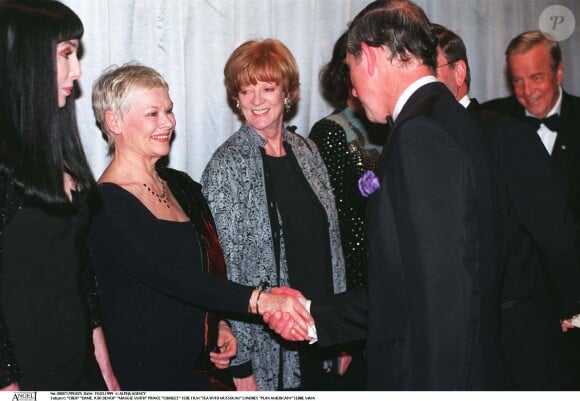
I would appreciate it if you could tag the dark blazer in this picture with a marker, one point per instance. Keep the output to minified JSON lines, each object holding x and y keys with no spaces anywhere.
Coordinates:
{"x":541,"y":278}
{"x":566,"y":153}
{"x":433,"y":290}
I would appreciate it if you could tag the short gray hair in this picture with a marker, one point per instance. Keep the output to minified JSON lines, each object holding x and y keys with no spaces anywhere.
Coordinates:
{"x":116,"y":86}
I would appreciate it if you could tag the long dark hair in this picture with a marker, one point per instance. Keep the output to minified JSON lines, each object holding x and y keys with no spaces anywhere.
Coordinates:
{"x":38,"y":140}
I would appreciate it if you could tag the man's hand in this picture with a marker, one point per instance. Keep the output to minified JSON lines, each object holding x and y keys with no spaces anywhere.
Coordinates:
{"x":283,"y":322}
{"x":228,"y":346}
{"x":291,"y":303}
{"x":344,"y":361}
{"x":567,"y":325}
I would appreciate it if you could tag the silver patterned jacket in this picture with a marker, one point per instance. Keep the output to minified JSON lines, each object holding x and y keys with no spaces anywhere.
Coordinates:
{"x":234,"y":186}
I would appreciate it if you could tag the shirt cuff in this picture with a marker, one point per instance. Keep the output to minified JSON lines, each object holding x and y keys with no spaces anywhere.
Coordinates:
{"x":575,"y":320}
{"x":311,"y":327}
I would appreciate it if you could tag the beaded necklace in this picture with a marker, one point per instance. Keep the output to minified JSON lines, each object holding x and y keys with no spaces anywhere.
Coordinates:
{"x":162,"y":197}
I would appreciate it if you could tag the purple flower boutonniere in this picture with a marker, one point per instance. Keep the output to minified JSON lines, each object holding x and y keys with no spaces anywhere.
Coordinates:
{"x":368,"y":183}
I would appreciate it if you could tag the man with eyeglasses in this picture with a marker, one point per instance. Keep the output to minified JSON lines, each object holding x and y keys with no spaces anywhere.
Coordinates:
{"x":541,"y":280}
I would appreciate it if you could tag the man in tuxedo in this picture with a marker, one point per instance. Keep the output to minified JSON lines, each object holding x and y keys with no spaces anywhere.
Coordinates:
{"x":431,"y":309}
{"x":535,"y":71}
{"x":541,"y":277}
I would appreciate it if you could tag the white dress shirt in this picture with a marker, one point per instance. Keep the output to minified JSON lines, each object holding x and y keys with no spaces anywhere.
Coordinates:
{"x":407,"y":93}
{"x":548,"y":136}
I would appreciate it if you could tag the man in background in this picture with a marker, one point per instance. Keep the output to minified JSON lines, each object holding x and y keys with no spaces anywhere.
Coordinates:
{"x":535,"y":72}
{"x":541,"y":280}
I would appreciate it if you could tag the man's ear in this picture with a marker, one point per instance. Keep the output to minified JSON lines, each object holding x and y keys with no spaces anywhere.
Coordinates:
{"x":460,"y":71}
{"x":370,"y":56}
{"x":560,"y":73}
{"x":113,"y":122}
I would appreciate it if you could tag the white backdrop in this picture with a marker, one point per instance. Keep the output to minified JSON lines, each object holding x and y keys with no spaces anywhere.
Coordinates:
{"x":189,"y":41}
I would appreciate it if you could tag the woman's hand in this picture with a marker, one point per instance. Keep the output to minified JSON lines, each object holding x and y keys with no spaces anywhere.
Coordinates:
{"x":227,"y":344}
{"x":102,"y":356}
{"x":246,"y":383}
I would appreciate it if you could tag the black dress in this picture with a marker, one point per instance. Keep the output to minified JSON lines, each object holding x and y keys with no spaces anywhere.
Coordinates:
{"x":44,"y":300}
{"x":154,"y":293}
{"x":305,"y":228}
{"x":307,"y":246}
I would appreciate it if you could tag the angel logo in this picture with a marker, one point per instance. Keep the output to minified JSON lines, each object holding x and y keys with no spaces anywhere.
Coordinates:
{"x":24,"y":396}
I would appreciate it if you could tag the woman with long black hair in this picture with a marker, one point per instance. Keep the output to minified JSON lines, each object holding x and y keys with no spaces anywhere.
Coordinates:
{"x":50,"y":334}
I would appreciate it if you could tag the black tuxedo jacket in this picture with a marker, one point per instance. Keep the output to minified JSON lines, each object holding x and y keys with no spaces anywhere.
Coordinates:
{"x":566,"y":153}
{"x":541,"y":278}
{"x":433,"y":280}
{"x":540,"y":233}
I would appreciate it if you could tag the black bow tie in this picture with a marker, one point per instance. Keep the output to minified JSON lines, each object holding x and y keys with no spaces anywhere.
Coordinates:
{"x":552,"y":122}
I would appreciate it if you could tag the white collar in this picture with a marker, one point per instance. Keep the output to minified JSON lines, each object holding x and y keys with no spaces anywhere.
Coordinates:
{"x":407,"y":93}
{"x":465,"y":101}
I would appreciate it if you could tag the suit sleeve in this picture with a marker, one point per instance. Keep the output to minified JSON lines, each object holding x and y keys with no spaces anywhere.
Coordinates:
{"x":427,"y":282}
{"x":341,"y":318}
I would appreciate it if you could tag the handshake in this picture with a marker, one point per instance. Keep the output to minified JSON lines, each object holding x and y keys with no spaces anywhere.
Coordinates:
{"x":284,"y":310}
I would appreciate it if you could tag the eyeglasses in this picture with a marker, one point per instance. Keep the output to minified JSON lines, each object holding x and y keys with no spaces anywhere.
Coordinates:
{"x":449,"y":63}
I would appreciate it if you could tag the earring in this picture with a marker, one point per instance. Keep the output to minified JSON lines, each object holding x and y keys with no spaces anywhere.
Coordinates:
{"x":237,"y":104}
{"x":287,"y":104}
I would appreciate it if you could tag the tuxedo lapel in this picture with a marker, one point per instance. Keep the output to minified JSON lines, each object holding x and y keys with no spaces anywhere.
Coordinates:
{"x":420,"y":103}
{"x":566,"y":132}
{"x":474,"y":108}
